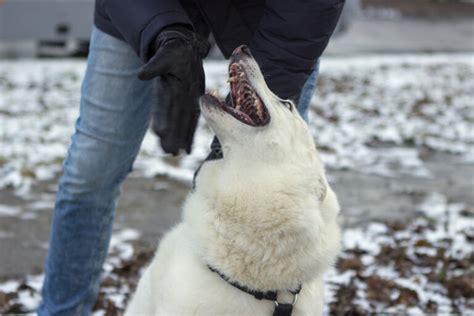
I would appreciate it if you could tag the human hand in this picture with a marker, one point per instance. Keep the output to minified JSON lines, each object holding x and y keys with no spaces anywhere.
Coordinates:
{"x":178,"y":74}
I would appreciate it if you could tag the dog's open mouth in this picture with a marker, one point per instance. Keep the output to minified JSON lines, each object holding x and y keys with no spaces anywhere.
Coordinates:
{"x":243,"y":102}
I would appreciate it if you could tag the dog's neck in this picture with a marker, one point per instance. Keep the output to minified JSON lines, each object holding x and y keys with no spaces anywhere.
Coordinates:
{"x":264,"y":244}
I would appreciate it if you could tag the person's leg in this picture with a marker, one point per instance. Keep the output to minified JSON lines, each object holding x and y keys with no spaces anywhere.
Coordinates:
{"x":308,"y":91}
{"x":114,"y":116}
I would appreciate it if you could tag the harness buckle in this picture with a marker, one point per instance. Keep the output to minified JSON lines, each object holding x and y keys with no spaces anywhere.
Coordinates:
{"x":295,"y":299}
{"x":285,"y":309}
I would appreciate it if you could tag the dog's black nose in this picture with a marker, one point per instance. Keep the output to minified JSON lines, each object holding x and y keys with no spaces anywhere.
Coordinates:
{"x":246,"y":50}
{"x":243,"y":49}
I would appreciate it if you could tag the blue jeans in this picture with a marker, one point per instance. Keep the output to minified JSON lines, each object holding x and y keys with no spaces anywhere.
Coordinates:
{"x":114,"y":116}
{"x":308,"y":91}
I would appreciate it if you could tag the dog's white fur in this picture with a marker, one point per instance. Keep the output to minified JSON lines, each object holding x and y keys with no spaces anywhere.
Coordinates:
{"x":264,"y":216}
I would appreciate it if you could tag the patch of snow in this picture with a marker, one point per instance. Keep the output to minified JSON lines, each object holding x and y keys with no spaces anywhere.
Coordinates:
{"x":8,"y":210}
{"x":444,"y":227}
{"x":434,"y":205}
{"x":342,"y":278}
{"x":355,"y":238}
{"x":29,"y":300}
{"x":120,"y":243}
{"x":361,"y":104}
{"x":41,"y":205}
{"x":9,"y":286}
{"x":28,"y":216}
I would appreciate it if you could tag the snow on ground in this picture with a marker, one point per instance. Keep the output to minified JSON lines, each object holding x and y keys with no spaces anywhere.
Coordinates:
{"x":423,"y":266}
{"x":363,"y":106}
{"x":23,"y":296}
{"x":418,"y":267}
{"x":373,"y":114}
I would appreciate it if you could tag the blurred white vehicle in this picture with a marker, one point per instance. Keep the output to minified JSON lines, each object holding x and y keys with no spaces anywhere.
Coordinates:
{"x":60,"y":27}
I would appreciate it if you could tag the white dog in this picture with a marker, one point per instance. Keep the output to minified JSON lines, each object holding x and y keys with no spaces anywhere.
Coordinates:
{"x":261,"y":221}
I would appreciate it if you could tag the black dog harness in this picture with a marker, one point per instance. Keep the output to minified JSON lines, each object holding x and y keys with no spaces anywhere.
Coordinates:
{"x":281,"y":309}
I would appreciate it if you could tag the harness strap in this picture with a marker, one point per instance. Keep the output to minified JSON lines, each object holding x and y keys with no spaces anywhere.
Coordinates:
{"x":281,"y":309}
{"x":270,"y":295}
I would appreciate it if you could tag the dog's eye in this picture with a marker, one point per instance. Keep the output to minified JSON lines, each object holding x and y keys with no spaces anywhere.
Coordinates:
{"x":288,"y":104}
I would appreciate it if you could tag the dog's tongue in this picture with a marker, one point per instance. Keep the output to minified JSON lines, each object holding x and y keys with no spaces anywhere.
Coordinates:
{"x":230,"y":106}
{"x":211,"y":98}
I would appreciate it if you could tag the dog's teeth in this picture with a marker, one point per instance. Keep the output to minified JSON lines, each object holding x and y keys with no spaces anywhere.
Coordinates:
{"x":241,"y":75}
{"x":259,"y":107}
{"x":231,"y":79}
{"x":214,"y":93}
{"x":235,"y":66}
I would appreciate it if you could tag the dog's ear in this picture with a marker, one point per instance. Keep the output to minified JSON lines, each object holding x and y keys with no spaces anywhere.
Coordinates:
{"x":321,"y":188}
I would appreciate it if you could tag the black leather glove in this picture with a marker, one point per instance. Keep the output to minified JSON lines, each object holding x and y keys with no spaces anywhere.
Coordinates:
{"x":176,"y":67}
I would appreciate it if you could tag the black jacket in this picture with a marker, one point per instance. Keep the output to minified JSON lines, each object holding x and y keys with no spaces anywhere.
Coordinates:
{"x":285,"y":36}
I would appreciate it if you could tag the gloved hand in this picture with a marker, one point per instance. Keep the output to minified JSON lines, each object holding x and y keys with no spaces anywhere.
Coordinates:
{"x":176,"y":67}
